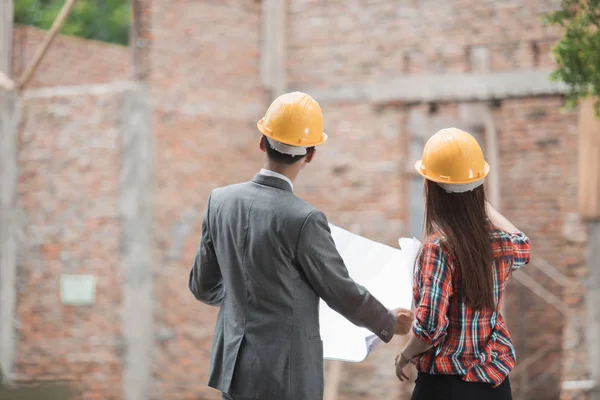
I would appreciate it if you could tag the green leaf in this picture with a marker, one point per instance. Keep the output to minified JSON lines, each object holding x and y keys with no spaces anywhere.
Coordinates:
{"x":578,"y":51}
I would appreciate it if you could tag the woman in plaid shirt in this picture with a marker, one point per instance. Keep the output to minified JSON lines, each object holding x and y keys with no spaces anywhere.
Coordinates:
{"x":459,"y":343}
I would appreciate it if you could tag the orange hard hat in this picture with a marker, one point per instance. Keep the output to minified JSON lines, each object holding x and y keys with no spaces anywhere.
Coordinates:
{"x":452,"y":156}
{"x":294,"y":119}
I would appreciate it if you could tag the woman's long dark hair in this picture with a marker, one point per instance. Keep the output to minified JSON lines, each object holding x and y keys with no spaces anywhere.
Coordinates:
{"x":461,"y":218}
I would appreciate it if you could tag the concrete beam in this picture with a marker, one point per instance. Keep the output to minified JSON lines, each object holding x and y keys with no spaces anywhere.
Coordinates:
{"x":202,"y":108}
{"x":453,"y":87}
{"x":97,"y":89}
{"x":578,"y":385}
{"x":9,"y":121}
{"x":135,"y":206}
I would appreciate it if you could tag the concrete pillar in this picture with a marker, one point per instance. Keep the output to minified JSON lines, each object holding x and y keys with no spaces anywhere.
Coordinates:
{"x":6,"y":36}
{"x":9,"y":117}
{"x":135,"y":206}
{"x":493,"y":155}
{"x":592,"y":308}
{"x":479,"y":58}
{"x":273,"y":48}
{"x":418,"y":130}
{"x":8,"y":195}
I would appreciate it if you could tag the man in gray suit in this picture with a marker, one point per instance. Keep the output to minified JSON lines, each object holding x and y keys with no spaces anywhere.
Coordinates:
{"x":265,"y":258}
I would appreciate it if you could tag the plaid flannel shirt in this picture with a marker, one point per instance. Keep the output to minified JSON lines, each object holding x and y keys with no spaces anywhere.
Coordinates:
{"x":475,"y":345}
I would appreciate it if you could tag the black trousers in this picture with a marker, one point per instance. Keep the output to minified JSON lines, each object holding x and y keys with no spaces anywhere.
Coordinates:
{"x":452,"y":387}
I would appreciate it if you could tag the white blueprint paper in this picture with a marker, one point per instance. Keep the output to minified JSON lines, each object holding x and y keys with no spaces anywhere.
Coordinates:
{"x":386,"y":272}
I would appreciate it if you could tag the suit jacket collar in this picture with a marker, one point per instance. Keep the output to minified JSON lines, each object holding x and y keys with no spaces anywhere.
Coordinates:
{"x":272,"y":181}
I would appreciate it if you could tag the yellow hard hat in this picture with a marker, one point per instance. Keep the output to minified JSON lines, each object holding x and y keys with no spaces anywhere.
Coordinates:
{"x":294,"y":119}
{"x":452,"y":156}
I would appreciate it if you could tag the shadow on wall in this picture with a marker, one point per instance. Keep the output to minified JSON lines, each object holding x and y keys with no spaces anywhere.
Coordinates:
{"x":32,"y":390}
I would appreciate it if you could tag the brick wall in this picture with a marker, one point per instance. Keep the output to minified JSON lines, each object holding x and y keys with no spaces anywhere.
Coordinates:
{"x":205,"y":79}
{"x":355,"y":177}
{"x":361,"y":184}
{"x":68,"y":187}
{"x":207,"y":98}
{"x":71,"y":60}
{"x":539,"y":189}
{"x":337,"y":44}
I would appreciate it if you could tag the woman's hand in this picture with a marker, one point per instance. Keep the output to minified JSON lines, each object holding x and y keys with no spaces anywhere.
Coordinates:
{"x":414,"y":348}
{"x":401,"y":363}
{"x":499,"y":220}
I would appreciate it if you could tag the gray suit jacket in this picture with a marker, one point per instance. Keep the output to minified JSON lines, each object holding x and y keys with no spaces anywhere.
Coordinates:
{"x":265,"y":258}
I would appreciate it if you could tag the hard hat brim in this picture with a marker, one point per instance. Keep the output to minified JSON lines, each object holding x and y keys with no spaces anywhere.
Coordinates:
{"x":267,"y":132}
{"x":421,"y":171}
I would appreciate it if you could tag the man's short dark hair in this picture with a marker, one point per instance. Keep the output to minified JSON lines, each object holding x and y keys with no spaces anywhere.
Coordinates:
{"x":278,"y":157}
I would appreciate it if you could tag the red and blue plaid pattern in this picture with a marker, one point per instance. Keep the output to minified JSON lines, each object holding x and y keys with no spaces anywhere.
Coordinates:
{"x":473,"y":344}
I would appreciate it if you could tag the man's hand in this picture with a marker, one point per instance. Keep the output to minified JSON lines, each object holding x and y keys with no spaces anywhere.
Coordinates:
{"x":404,"y":320}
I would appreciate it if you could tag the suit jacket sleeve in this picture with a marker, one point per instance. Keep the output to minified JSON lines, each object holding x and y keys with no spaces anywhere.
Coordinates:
{"x":326,"y":272}
{"x":206,"y":281}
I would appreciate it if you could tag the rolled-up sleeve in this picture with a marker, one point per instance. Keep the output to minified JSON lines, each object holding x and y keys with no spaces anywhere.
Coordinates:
{"x":521,"y":249}
{"x":433,"y":283}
